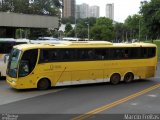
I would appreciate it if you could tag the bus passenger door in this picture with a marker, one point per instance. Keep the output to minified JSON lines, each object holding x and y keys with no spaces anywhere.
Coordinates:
{"x":27,"y":72}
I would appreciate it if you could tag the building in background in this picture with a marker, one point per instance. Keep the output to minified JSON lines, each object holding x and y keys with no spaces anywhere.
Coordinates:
{"x":110,"y":11}
{"x":85,"y":11}
{"x":69,"y":9}
{"x":78,"y":11}
{"x":94,"y":11}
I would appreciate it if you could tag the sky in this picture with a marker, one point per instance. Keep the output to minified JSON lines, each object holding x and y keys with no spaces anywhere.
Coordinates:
{"x":122,"y":8}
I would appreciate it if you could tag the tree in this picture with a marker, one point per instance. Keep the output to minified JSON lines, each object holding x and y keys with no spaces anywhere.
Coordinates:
{"x":40,"y":7}
{"x":119,"y":30}
{"x":46,"y":7}
{"x":103,"y":29}
{"x":136,"y":27}
{"x":68,"y":30}
{"x":82,"y":26}
{"x":151,"y":14}
{"x":132,"y":23}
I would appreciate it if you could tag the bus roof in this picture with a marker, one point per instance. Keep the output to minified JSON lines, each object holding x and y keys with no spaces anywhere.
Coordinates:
{"x":83,"y":44}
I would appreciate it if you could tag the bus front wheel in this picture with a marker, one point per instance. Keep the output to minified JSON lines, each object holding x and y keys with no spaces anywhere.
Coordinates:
{"x":115,"y":78}
{"x":129,"y":77}
{"x":43,"y":84}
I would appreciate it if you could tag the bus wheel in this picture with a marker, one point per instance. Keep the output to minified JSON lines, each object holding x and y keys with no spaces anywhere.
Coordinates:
{"x":43,"y":84}
{"x":115,"y":78}
{"x":129,"y":77}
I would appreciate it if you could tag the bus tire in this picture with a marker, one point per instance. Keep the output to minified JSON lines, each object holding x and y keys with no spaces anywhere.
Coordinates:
{"x":115,"y":78}
{"x":129,"y":77}
{"x":44,"y":84}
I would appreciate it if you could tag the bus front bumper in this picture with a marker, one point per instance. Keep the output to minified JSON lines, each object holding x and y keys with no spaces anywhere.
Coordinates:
{"x":12,"y":82}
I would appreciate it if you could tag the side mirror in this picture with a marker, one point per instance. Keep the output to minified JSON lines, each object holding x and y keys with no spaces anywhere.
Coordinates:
{"x":6,"y":57}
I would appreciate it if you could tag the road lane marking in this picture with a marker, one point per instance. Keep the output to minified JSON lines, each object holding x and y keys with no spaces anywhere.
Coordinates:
{"x":113,"y":104}
{"x":153,"y":96}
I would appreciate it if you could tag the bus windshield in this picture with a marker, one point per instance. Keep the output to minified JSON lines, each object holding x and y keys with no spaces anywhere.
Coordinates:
{"x":13,"y":62}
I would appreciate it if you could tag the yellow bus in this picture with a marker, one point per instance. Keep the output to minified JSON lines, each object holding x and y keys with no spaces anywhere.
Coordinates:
{"x":46,"y":65}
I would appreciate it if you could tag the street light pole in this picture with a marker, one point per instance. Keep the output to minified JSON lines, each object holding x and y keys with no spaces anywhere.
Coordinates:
{"x":88,"y":32}
{"x":75,"y":27}
{"x":87,"y":23}
{"x":75,"y":20}
{"x":139,"y":29}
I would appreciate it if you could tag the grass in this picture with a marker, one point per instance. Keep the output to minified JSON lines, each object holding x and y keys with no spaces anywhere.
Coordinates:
{"x":157,"y":42}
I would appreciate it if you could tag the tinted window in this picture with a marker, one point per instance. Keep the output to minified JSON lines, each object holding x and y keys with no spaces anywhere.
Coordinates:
{"x":102,"y":54}
{"x":116,"y":53}
{"x":144,"y":52}
{"x":67,"y":54}
{"x":30,"y":56}
{"x":50,"y":55}
{"x":151,"y":52}
{"x":90,"y":54}
{"x":85,"y":54}
{"x":134,"y":53}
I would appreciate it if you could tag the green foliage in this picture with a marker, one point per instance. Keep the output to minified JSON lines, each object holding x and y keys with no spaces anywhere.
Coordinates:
{"x":82,"y":33}
{"x":104,"y":22}
{"x":68,"y":27}
{"x":69,"y":32}
{"x":157,"y":42}
{"x":82,"y":27}
{"x":136,"y":28}
{"x":151,"y":14}
{"x":132,"y":24}
{"x":102,"y":30}
{"x":40,"y":7}
{"x":119,"y":30}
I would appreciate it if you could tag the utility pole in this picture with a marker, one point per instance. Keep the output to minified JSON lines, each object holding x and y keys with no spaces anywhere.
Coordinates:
{"x":139,"y":29}
{"x":88,"y":32}
{"x":75,"y":20}
{"x":87,"y":23}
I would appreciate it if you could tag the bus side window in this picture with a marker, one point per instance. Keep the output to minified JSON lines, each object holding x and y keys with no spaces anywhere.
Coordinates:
{"x":151,"y":52}
{"x":126,"y":54}
{"x":81,"y":54}
{"x":117,"y":54}
{"x":65,"y":54}
{"x":134,"y":53}
{"x":30,"y":56}
{"x":100,"y":54}
{"x":144,"y":53}
{"x":106,"y":54}
{"x":45,"y":57}
{"x":49,"y":55}
{"x":91,"y":54}
{"x":53,"y":55}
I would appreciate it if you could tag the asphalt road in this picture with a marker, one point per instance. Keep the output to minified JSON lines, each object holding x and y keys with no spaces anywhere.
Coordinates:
{"x":100,"y":101}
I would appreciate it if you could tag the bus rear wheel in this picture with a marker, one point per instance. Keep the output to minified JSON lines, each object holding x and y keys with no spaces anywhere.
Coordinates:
{"x":115,"y":78}
{"x":129,"y":77}
{"x":43,"y":84}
